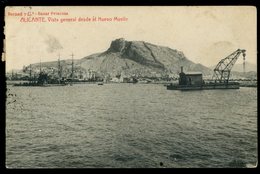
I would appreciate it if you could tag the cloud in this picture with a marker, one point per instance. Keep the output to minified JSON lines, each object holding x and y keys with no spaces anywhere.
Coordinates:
{"x":53,"y":44}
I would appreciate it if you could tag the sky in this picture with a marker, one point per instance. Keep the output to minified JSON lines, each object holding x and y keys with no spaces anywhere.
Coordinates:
{"x":205,"y":34}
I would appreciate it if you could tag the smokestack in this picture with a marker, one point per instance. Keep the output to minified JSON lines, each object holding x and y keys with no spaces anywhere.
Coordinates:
{"x":244,"y":61}
{"x":181,"y":69}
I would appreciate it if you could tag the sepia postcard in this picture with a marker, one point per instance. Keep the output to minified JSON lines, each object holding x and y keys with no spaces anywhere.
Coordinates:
{"x":131,"y":86}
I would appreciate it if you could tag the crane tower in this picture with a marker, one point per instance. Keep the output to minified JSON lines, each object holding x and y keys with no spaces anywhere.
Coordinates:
{"x":223,"y":68}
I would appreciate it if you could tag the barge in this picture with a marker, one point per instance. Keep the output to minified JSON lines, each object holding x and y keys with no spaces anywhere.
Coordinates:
{"x":208,"y":86}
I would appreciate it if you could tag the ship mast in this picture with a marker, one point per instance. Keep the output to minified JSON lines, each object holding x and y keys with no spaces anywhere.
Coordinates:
{"x":12,"y":74}
{"x":30,"y":72}
{"x":59,"y":67}
{"x":40,"y":65}
{"x":72,"y":68}
{"x":80,"y":70}
{"x":244,"y":65}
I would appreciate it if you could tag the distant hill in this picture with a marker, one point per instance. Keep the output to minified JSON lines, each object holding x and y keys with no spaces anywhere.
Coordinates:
{"x":248,"y":67}
{"x":247,"y":75}
{"x":239,"y":67}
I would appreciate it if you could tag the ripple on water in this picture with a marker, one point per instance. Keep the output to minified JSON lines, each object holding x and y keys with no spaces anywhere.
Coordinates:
{"x":125,"y":125}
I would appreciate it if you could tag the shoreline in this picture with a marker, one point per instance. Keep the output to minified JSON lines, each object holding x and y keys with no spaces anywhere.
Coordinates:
{"x":243,"y":84}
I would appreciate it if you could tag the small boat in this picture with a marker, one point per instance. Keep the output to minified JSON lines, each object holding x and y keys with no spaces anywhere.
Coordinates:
{"x":100,"y":83}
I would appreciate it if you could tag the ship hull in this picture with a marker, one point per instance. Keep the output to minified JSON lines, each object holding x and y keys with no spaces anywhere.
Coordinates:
{"x":38,"y":85}
{"x":204,"y":86}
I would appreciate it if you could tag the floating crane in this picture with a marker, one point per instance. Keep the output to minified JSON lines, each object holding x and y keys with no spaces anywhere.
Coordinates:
{"x":223,"y":68}
{"x":194,"y":81}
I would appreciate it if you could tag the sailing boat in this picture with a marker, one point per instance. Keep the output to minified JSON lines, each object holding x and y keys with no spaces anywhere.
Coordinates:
{"x":44,"y":79}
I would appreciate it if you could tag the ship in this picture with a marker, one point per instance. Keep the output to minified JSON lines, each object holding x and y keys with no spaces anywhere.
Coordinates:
{"x":220,"y":79}
{"x":43,"y":79}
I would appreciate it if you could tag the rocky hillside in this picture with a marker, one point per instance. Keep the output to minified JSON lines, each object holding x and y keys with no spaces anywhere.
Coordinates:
{"x":135,"y":58}
{"x":139,"y":58}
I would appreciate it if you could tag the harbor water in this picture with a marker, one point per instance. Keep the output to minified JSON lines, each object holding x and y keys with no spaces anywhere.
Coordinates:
{"x":130,"y":126}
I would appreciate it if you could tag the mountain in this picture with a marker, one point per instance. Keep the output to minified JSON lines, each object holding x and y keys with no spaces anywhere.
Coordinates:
{"x":139,"y":58}
{"x":134,"y":58}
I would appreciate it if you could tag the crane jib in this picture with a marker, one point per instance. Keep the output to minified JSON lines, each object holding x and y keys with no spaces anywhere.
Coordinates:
{"x":223,"y":68}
